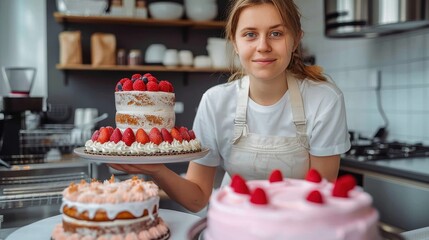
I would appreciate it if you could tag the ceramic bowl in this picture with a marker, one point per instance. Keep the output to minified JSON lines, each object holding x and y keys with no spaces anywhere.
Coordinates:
{"x":166,"y":10}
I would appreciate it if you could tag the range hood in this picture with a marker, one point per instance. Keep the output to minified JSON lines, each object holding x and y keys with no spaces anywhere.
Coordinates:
{"x":373,"y":18}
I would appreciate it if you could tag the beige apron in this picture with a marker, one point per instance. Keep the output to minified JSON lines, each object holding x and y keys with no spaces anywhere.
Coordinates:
{"x":254,"y":156}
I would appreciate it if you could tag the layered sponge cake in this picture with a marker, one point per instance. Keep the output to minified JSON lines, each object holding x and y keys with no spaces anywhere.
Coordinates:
{"x":111,"y":210}
{"x":282,"y":208}
{"x":145,"y":122}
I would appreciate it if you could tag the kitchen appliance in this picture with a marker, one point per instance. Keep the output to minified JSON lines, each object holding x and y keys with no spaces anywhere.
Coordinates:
{"x":385,"y":151}
{"x":19,"y":80}
{"x":365,"y":18}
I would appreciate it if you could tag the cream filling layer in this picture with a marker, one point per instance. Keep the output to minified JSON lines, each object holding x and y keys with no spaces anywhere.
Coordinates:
{"x":106,"y":224}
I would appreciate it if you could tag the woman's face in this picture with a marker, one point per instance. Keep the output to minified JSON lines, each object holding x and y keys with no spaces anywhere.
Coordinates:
{"x":263,"y":42}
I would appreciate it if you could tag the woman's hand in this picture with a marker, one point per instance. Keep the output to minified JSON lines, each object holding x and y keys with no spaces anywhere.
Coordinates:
{"x":147,"y":169}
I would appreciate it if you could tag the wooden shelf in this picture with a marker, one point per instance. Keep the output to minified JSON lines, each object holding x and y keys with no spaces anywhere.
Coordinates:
{"x":106,"y":19}
{"x":143,"y":68}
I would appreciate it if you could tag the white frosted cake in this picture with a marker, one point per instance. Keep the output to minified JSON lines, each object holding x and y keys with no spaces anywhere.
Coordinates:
{"x":111,"y":210}
{"x":282,"y":208}
{"x":145,"y":122}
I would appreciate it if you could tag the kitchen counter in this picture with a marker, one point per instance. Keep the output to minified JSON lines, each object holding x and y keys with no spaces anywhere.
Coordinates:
{"x":415,"y":169}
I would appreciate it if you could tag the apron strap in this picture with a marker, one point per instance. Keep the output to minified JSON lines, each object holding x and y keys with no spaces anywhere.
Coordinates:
{"x":298,"y":110}
{"x":240,"y":122}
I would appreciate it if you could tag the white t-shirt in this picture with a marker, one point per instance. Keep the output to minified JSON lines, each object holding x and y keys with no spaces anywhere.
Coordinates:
{"x":324,"y":110}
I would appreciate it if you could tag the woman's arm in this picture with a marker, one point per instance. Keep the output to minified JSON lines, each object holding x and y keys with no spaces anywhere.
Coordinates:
{"x":192,"y":192}
{"x":327,"y":166}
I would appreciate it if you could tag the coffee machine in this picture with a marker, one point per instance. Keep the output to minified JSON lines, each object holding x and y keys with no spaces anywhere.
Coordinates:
{"x":18,"y":81}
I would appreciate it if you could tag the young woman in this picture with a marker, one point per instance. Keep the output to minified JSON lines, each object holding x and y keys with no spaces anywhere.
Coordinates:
{"x":274,"y":113}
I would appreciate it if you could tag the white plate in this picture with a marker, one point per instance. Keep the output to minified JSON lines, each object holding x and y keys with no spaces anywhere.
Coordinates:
{"x":186,"y":157}
{"x":178,"y":222}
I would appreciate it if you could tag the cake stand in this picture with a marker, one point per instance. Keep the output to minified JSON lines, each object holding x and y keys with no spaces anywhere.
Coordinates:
{"x":140,"y":159}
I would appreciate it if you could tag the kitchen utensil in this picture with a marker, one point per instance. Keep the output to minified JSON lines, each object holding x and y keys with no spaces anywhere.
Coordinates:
{"x":19,"y":80}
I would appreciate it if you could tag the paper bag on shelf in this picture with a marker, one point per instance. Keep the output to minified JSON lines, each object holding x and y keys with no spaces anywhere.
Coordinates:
{"x":70,"y":47}
{"x":103,"y":49}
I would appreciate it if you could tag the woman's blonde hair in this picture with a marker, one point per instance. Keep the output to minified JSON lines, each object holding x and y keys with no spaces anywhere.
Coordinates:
{"x":292,"y":19}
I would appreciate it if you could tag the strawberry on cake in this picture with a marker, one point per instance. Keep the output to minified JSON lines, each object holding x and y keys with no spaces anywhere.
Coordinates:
{"x":145,"y":121}
{"x":282,"y":208}
{"x":111,"y":210}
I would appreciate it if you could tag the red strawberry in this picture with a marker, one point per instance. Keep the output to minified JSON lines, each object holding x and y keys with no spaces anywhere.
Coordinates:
{"x":259,"y":197}
{"x":184,"y":132}
{"x":343,"y":185}
{"x":313,"y":176}
{"x":136,"y":76}
{"x":110,"y":129}
{"x":155,"y":136}
{"x":152,"y":79}
{"x":152,"y":86}
{"x":164,"y":86}
{"x":116,"y":136}
{"x":128,"y":137}
{"x":141,"y":136}
{"x":239,"y":185}
{"x":191,"y":134}
{"x":95,"y":135}
{"x":176,"y":134}
{"x":104,"y":135}
{"x":166,"y":135}
{"x":139,"y":85}
{"x":128,"y":85}
{"x":315,"y":197}
{"x":276,"y":176}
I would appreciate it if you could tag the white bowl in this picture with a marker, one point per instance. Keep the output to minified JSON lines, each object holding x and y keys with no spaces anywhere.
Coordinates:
{"x":82,"y":7}
{"x":166,"y":10}
{"x":155,"y":53}
{"x":202,"y":11}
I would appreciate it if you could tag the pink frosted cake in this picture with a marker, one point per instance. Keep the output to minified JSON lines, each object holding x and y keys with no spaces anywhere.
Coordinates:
{"x":145,"y":121}
{"x":281,"y":208}
{"x":111,"y":210}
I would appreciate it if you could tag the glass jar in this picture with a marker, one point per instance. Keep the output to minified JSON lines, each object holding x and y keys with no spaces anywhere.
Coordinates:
{"x":134,"y":57}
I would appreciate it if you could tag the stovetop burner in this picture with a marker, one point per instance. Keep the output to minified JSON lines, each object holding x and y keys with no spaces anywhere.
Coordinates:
{"x":385,"y":151}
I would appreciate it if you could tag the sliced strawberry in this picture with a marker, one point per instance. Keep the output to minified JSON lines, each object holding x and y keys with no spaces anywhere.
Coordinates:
{"x":239,"y":184}
{"x":95,"y":135}
{"x":276,"y":176}
{"x":139,"y":85}
{"x":315,"y":197}
{"x":184,"y":132}
{"x":155,"y":136}
{"x":259,"y":197}
{"x":104,"y":135}
{"x":166,"y":135}
{"x":152,"y":86}
{"x":116,"y":136}
{"x":176,"y":134}
{"x":191,"y":134}
{"x":128,"y":85}
{"x":141,"y":136}
{"x":128,"y":137}
{"x":313,"y":176}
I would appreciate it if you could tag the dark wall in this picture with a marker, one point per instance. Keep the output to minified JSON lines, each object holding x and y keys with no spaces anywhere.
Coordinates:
{"x":81,"y":89}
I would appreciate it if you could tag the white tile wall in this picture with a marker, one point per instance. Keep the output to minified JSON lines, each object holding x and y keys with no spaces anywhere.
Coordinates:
{"x":403,"y":60}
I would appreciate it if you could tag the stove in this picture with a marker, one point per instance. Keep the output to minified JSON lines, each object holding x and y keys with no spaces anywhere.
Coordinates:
{"x":385,"y":151}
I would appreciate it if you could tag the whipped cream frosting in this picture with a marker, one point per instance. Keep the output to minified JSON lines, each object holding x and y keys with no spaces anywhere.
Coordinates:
{"x":145,"y":149}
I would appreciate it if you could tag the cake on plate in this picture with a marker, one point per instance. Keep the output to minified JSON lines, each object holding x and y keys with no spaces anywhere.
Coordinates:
{"x":111,"y":210}
{"x":145,"y":122}
{"x":282,"y":208}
